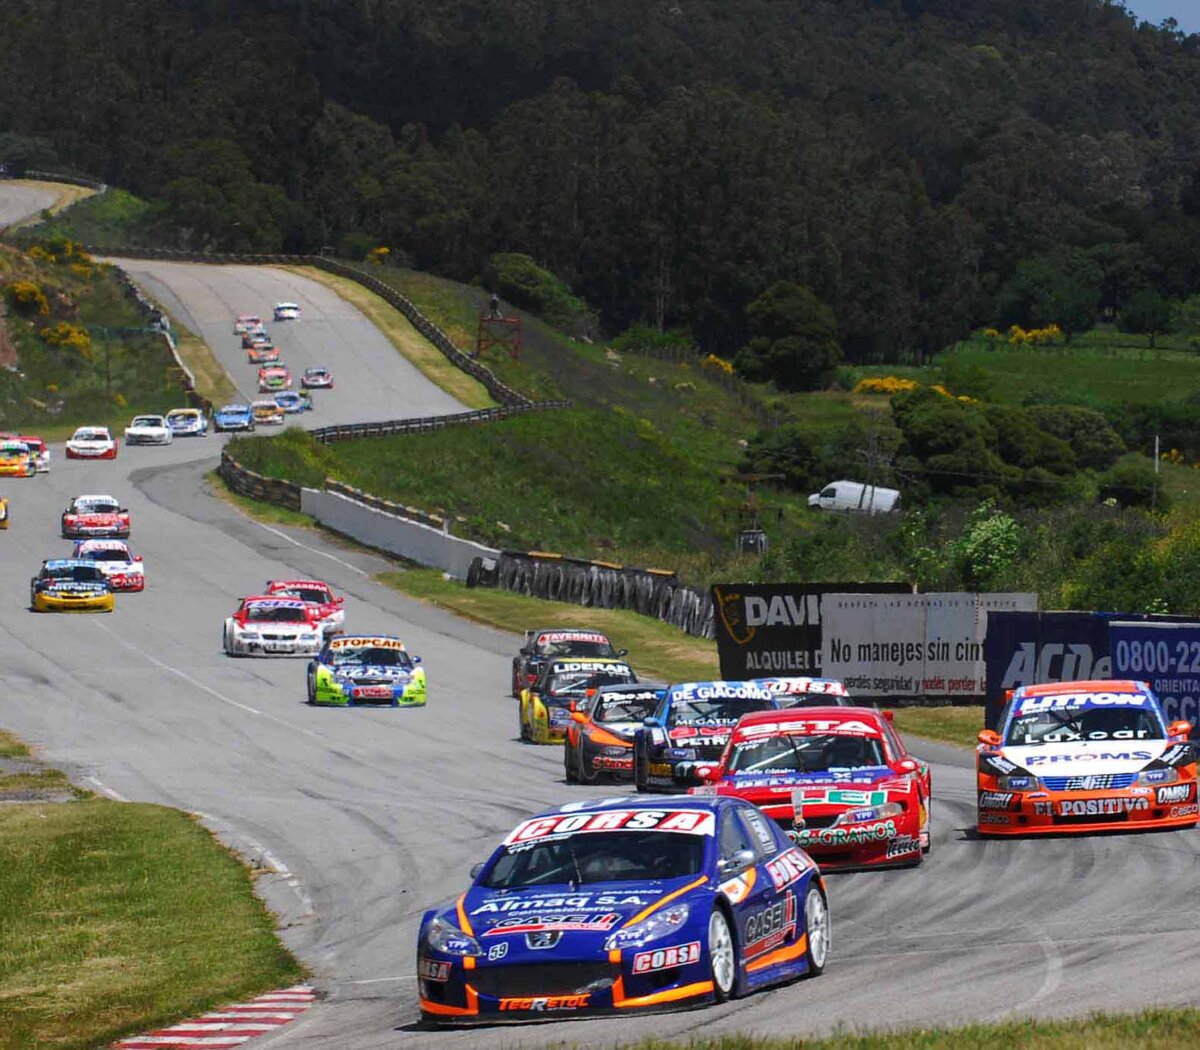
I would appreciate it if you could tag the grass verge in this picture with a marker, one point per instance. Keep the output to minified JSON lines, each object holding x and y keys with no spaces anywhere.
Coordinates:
{"x":256,"y":509}
{"x":212,"y":381}
{"x":11,"y":746}
{"x":67,"y":195}
{"x":430,"y":361}
{"x":953,"y":725}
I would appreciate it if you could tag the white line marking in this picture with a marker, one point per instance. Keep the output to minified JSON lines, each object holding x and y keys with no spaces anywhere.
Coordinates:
{"x":313,"y":550}
{"x":104,"y":790}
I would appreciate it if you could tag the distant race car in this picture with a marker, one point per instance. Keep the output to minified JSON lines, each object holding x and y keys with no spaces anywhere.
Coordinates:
{"x":1085,"y":756}
{"x":16,"y":461}
{"x":317,"y":378}
{"x":148,"y":430}
{"x":262,"y":353}
{"x":124,"y":571}
{"x":600,"y":737}
{"x":619,"y":905}
{"x":320,"y":596}
{"x":266,"y":413}
{"x":254,"y":336}
{"x":95,"y":516}
{"x":233,"y":417}
{"x":292,"y":401}
{"x":545,"y":712}
{"x":808,"y":692}
{"x":38,"y":450}
{"x":3,"y":512}
{"x":187,"y":422}
{"x":246,"y":322}
{"x":692,"y":725}
{"x":272,"y":378}
{"x":287,"y":312}
{"x":91,"y":443}
{"x":66,"y":585}
{"x":544,"y":642}
{"x":366,"y":669}
{"x":267,"y":625}
{"x":838,"y":780}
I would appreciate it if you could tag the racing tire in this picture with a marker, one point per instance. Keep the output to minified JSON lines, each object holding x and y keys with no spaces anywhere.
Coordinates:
{"x":928,"y":847}
{"x":516,"y":682}
{"x":312,"y":693}
{"x":225,"y":643}
{"x":641,"y":771}
{"x":584,"y":776}
{"x":570,"y":767}
{"x":817,"y":930}
{"x":722,"y":956}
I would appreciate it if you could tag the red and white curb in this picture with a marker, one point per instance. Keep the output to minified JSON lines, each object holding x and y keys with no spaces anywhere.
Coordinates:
{"x":230,"y":1026}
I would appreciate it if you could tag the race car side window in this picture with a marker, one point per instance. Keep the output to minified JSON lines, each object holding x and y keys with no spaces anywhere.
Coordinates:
{"x":735,"y":836}
{"x":761,"y":833}
{"x":893,"y":741}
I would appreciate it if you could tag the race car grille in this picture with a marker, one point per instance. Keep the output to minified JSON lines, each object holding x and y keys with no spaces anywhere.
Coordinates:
{"x":371,"y":681}
{"x":562,"y":978}
{"x":1092,"y":782}
{"x":279,"y":637}
{"x":1092,"y":818}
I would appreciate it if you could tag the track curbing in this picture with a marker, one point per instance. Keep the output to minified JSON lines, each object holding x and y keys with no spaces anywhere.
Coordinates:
{"x":229,"y":1026}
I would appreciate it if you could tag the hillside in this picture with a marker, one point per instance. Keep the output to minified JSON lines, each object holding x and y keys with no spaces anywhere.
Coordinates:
{"x":918,"y":165}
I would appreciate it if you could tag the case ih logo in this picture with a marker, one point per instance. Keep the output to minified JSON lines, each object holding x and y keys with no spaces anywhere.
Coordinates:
{"x":770,"y":927}
{"x":1174,"y":793}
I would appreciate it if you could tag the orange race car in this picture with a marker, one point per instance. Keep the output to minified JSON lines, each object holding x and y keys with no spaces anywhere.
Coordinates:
{"x":1085,"y":756}
{"x":600,"y":736}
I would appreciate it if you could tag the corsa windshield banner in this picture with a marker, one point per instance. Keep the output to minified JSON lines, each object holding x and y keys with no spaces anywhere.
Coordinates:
{"x":766,"y":629}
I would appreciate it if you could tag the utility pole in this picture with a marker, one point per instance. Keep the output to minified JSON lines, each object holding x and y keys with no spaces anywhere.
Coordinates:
{"x":1154,"y":483}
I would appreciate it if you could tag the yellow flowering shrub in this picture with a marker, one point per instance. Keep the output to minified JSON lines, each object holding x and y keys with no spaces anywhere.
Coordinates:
{"x":119,"y":400}
{"x":717,"y":364}
{"x":379,"y":255}
{"x":82,"y":270}
{"x":68,"y":335}
{"x":28,"y":298}
{"x":884,"y":385}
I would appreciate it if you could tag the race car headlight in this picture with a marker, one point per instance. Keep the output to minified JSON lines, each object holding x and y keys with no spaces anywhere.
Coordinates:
{"x":1157,"y":776}
{"x":660,"y":924}
{"x":1018,"y":782}
{"x":442,"y":937}
{"x":248,"y":636}
{"x":308,"y":637}
{"x":861,"y":816}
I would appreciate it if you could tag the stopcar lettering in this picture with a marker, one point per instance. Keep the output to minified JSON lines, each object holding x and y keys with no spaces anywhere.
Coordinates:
{"x":544,"y":1004}
{"x":787,"y":868}
{"x":770,"y":927}
{"x":839,"y":836}
{"x":1102,"y":756}
{"x":995,"y":799}
{"x":362,"y":643}
{"x":432,"y":970}
{"x":1174,"y":793}
{"x":667,"y":958}
{"x":810,"y":727}
{"x":1095,"y":807}
{"x":690,"y":822}
{"x":593,"y":922}
{"x":1032,"y":704}
{"x":580,"y":900}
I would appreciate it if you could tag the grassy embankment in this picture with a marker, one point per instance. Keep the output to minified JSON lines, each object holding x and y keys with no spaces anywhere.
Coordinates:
{"x":117,"y":918}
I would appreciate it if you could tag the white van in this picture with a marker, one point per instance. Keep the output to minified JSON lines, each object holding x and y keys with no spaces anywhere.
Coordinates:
{"x":855,"y":496}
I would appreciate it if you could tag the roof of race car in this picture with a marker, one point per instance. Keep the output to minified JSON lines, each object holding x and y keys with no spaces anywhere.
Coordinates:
{"x":1118,"y":685}
{"x":91,"y":433}
{"x":67,"y":563}
{"x":264,"y":402}
{"x":274,"y":601}
{"x":790,"y":715}
{"x":233,"y":408}
{"x":95,"y":498}
{"x":568,"y":634}
{"x":101,"y":545}
{"x":183,"y":412}
{"x":826,"y":686}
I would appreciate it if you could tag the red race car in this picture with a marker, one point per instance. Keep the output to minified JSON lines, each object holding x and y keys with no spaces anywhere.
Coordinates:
{"x":320,"y":596}
{"x":95,"y":516}
{"x":838,"y":780}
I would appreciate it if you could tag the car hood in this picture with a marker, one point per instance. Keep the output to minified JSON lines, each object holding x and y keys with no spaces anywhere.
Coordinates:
{"x":771,"y":785}
{"x":73,"y":587}
{"x":585,"y":912}
{"x":1112,"y":756}
{"x":396,"y":674}
{"x":265,"y":627}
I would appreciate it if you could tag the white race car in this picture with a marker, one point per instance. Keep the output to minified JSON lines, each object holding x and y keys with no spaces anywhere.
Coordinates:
{"x":148,"y":430}
{"x":124,"y":571}
{"x":246,"y":322}
{"x":268,"y":625}
{"x":91,"y":443}
{"x":287,"y":312}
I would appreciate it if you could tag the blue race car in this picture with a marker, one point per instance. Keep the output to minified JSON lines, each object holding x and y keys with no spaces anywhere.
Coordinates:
{"x":692,"y":725}
{"x":371,"y":669}
{"x":621,"y":904}
{"x":292,"y":401}
{"x":233,"y":417}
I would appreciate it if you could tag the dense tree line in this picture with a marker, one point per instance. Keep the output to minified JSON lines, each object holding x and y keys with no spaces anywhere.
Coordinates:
{"x":920,"y":166}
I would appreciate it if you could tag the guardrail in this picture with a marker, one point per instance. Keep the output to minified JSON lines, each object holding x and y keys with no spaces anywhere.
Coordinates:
{"x":346,"y":431}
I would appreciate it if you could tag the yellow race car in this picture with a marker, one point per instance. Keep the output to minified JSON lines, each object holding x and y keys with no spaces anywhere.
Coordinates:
{"x":70,"y":585}
{"x":545,"y":706}
{"x":16,"y":460}
{"x":3,"y":512}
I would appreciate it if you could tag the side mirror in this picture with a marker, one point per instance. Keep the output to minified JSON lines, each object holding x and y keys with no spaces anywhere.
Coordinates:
{"x":651,"y":721}
{"x":578,"y":716}
{"x":1182,"y":727}
{"x":137,"y":557}
{"x":339,"y":601}
{"x":622,"y":652}
{"x":989,"y":737}
{"x":706,"y":774}
{"x":740,"y":861}
{"x":889,"y":716}
{"x":416,"y":659}
{"x":905,"y":765}
{"x":476,"y":869}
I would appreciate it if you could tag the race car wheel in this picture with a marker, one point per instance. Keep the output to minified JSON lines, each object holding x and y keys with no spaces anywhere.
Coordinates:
{"x":817,"y":927}
{"x":516,"y":682}
{"x":570,"y":767}
{"x":524,"y":728}
{"x":641,"y":772}
{"x":312,"y":691}
{"x":927,"y":831}
{"x":722,"y":958}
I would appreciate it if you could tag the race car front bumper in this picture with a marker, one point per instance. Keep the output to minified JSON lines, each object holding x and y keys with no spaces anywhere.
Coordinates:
{"x":334,"y":694}
{"x":1136,"y":808}
{"x":268,"y":643}
{"x":73,"y":603}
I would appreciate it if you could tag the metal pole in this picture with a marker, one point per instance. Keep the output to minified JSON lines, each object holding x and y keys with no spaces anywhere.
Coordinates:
{"x":1154,"y":484}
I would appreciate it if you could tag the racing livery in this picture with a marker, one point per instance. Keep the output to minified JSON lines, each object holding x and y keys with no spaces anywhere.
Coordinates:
{"x":807,"y":692}
{"x":245,"y":323}
{"x":545,"y":642}
{"x":66,"y":585}
{"x":292,"y":401}
{"x":267,"y":413}
{"x":1085,"y":756}
{"x":267,"y":625}
{"x":317,"y":377}
{"x":124,"y":571}
{"x":287,"y":312}
{"x":837,"y":780}
{"x":38,"y":450}
{"x":366,"y":669}
{"x":692,"y":725}
{"x":545,"y":707}
{"x":233,"y":417}
{"x":91,"y":443}
{"x":315,"y":593}
{"x":599,"y":739}
{"x":16,"y":461}
{"x":148,"y":430}
{"x":619,"y":905}
{"x":262,"y":353}
{"x":272,"y":378}
{"x":95,"y":515}
{"x":187,"y":422}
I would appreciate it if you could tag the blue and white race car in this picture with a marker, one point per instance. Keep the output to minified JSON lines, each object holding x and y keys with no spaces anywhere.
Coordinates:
{"x":292,"y":401}
{"x":233,"y":417}
{"x":366,"y":669}
{"x":187,"y":422}
{"x":692,"y":725}
{"x":620,"y":904}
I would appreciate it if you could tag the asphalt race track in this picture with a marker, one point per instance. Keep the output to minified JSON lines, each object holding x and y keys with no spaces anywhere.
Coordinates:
{"x":20,"y":200}
{"x":367,"y":817}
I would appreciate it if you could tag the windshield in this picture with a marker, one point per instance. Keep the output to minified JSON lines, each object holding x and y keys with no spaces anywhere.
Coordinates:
{"x":710,"y":711}
{"x":235,"y":410}
{"x":91,"y":435}
{"x":181,"y":417}
{"x":573,"y":683}
{"x":625,"y":707}
{"x":78,"y":573}
{"x":105,"y":555}
{"x":308,"y":594}
{"x":618,"y":856}
{"x":11,"y":449}
{"x":794,"y":753}
{"x":275,"y":614}
{"x":577,"y":648}
{"x":1081,"y":726}
{"x":96,"y":506}
{"x":370,"y":655}
{"x":147,"y":421}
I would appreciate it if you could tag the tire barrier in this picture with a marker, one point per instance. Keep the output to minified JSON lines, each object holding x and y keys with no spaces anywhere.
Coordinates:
{"x":346,"y":431}
{"x":602,"y":585}
{"x":498,"y":390}
{"x":246,"y":482}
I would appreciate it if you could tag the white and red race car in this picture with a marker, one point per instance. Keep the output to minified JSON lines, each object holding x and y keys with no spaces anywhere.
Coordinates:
{"x":91,"y":443}
{"x":320,"y":596}
{"x":271,"y":625}
{"x":246,"y":323}
{"x":95,"y":516}
{"x":124,"y":571}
